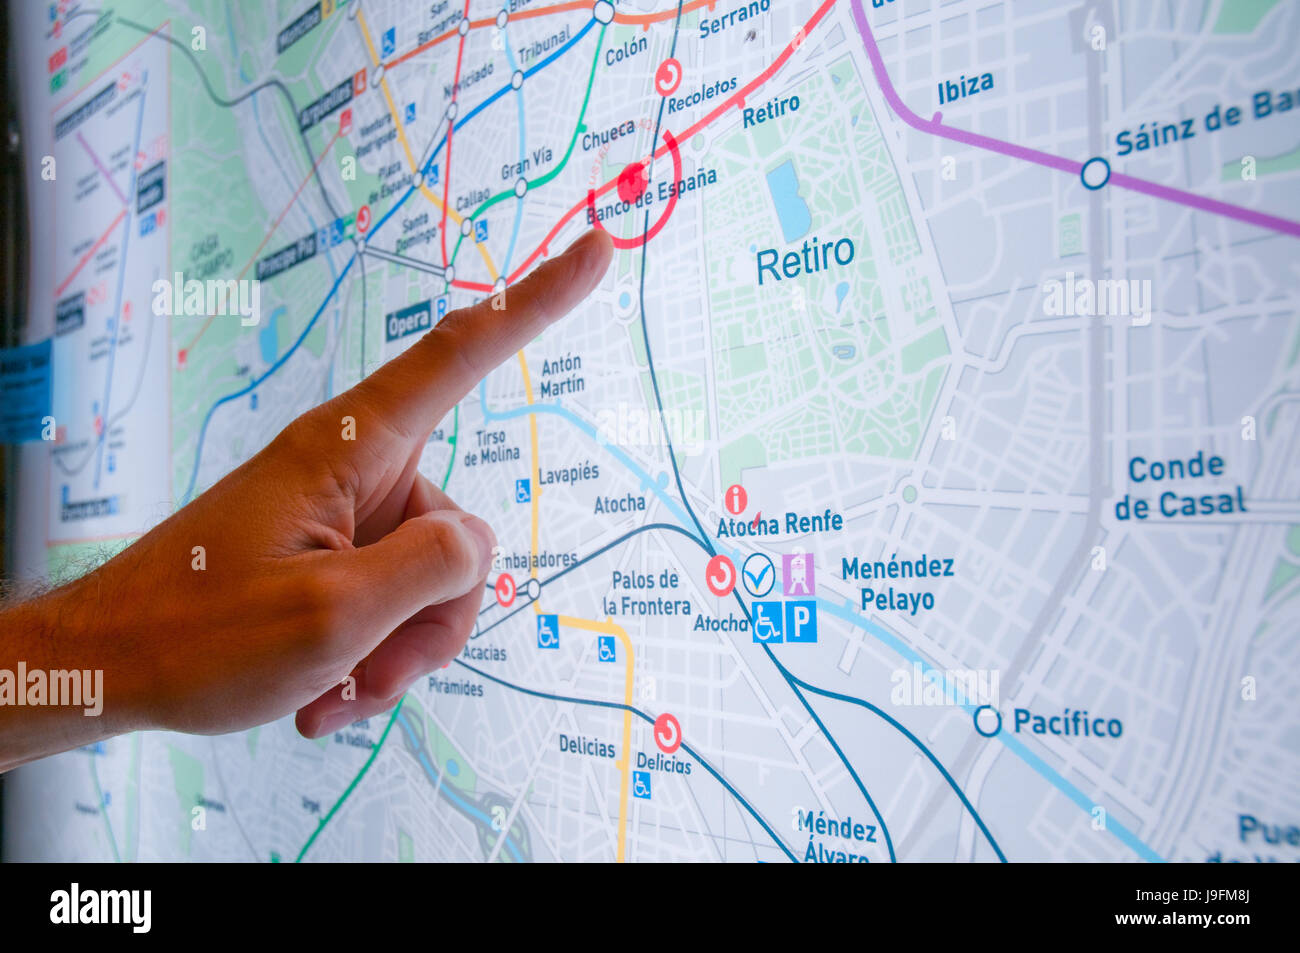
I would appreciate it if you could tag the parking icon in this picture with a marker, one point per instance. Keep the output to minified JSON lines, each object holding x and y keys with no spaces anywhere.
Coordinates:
{"x":548,"y":632}
{"x":801,"y":620}
{"x":767,"y":622}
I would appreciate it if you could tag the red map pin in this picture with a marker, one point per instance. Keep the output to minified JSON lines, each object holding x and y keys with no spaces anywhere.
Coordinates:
{"x":363,"y":219}
{"x":632,"y":182}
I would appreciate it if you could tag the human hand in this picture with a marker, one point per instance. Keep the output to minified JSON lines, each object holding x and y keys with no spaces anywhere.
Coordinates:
{"x":324,"y":557}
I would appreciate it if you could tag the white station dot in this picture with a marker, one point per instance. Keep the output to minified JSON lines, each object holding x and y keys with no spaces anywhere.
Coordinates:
{"x":417,"y":180}
{"x":452,"y":110}
{"x":378,"y":75}
{"x":353,"y":7}
{"x":361,"y":244}
{"x":464,"y":26}
{"x":466,"y":226}
{"x":450,"y":274}
{"x":499,"y":286}
{"x":517,"y":79}
{"x":534,"y":588}
{"x":502,"y":18}
{"x":521,"y":187}
{"x":603,"y":11}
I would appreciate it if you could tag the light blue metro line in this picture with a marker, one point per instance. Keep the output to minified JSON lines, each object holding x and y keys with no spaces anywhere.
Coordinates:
{"x":448,"y":791}
{"x":1014,"y":745}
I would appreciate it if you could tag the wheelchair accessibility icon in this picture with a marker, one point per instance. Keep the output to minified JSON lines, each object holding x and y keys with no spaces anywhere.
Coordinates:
{"x":641,"y":784}
{"x":767,"y":622}
{"x":548,"y":632}
{"x":605,"y":649}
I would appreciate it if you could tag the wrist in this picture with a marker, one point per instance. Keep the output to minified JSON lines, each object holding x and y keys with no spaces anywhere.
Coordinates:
{"x":74,"y":662}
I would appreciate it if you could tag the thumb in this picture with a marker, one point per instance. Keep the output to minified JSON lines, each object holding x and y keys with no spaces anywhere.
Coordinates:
{"x":427,"y":560}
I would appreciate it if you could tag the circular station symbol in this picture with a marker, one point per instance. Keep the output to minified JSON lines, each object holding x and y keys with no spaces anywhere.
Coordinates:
{"x":1095,"y":173}
{"x":668,"y":77}
{"x":363,"y":219}
{"x":735,"y":499}
{"x":505,"y":589}
{"x":720,"y":576}
{"x":668,"y":733}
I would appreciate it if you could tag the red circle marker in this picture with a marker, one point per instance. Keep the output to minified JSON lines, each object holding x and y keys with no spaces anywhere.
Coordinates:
{"x":720,"y":576}
{"x":668,"y":733}
{"x":668,"y":77}
{"x":505,"y":589}
{"x":636,"y":241}
{"x":363,"y":219}
{"x":632,"y":182}
{"x":735,"y":499}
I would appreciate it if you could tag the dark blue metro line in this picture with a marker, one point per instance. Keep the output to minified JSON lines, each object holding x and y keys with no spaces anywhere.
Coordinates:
{"x":255,"y":382}
{"x":618,"y":706}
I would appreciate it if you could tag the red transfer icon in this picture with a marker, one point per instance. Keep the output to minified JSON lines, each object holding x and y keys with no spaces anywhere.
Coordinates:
{"x":668,"y":77}
{"x":668,"y":733}
{"x":363,"y":219}
{"x":720,"y":576}
{"x":736,"y":499}
{"x":505,"y":589}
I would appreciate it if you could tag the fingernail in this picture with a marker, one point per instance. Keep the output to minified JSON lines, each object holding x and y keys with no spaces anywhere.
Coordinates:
{"x":484,"y":537}
{"x":332,"y":723}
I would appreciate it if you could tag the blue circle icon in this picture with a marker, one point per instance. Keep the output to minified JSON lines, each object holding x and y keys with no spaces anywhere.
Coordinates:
{"x":1095,"y":173}
{"x":976,"y":718}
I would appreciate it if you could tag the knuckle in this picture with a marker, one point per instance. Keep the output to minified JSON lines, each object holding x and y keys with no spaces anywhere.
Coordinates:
{"x":452,"y":552}
{"x":313,"y":601}
{"x":300,"y":437}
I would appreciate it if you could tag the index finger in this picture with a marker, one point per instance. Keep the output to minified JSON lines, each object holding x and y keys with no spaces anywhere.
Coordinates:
{"x":418,"y":387}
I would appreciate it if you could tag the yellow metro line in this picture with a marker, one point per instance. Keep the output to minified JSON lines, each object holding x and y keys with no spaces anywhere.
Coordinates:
{"x":406,"y":147}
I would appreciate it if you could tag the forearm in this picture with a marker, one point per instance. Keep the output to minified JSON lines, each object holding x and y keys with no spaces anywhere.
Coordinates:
{"x":60,"y":687}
